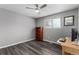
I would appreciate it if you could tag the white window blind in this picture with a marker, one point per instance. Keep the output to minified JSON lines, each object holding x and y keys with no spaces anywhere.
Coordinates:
{"x":54,"y":23}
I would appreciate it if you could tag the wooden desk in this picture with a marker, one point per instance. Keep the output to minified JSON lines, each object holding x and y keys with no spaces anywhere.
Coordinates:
{"x":69,"y":47}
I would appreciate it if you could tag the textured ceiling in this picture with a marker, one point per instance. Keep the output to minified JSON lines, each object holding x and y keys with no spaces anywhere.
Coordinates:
{"x":48,"y":10}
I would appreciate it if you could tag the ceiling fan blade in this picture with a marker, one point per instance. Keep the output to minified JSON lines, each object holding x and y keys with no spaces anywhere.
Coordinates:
{"x":29,"y":8}
{"x":43,"y":6}
{"x":36,"y":5}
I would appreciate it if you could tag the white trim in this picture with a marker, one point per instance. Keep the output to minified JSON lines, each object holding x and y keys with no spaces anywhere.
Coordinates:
{"x":51,"y":41}
{"x":15,"y":43}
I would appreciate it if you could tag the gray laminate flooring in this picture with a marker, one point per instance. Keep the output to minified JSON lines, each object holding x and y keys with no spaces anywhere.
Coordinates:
{"x":32,"y":48}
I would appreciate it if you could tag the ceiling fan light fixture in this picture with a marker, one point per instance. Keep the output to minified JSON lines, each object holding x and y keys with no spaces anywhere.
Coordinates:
{"x":37,"y":11}
{"x":37,"y":8}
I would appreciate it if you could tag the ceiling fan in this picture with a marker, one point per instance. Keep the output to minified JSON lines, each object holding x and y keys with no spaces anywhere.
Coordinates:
{"x":37,"y":7}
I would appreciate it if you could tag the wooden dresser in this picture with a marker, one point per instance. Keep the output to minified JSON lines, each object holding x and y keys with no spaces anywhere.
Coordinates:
{"x":39,"y":33}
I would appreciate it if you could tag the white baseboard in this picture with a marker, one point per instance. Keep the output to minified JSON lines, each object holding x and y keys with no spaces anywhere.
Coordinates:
{"x":51,"y":41}
{"x":15,"y":43}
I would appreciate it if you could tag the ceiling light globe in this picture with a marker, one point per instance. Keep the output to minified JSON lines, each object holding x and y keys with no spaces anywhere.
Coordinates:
{"x":37,"y":11}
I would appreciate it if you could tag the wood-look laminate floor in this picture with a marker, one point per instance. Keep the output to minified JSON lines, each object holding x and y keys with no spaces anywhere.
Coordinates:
{"x":32,"y":48}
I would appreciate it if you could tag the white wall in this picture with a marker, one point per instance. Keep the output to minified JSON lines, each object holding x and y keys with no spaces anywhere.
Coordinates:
{"x":52,"y":34}
{"x":15,"y":28}
{"x":78,"y":19}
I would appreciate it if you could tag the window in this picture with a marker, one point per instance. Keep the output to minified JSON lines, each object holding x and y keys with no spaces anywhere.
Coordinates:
{"x":48,"y":23}
{"x":56,"y":23}
{"x":53,"y":23}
